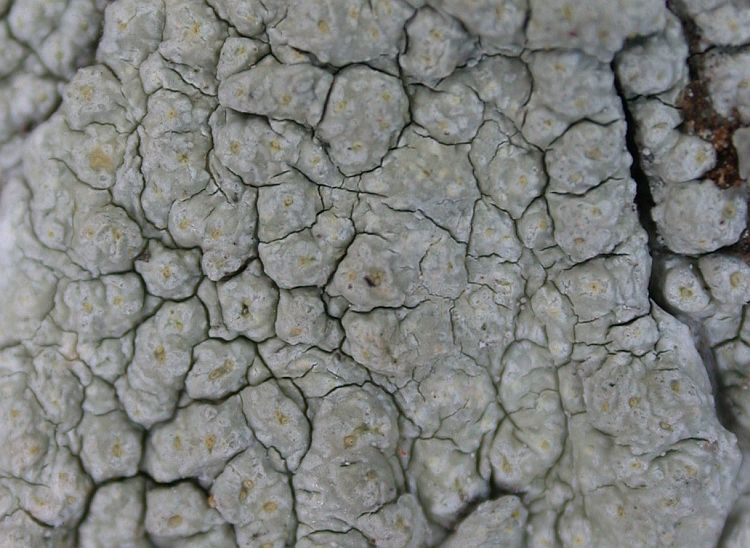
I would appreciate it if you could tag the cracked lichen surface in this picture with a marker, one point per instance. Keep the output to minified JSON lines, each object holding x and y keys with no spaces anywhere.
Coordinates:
{"x":374,"y":273}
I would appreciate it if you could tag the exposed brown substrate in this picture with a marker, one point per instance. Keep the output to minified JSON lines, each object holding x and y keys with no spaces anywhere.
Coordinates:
{"x":701,"y":119}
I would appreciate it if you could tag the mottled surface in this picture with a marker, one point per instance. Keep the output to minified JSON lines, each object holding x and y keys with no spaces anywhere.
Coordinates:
{"x":398,"y":273}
